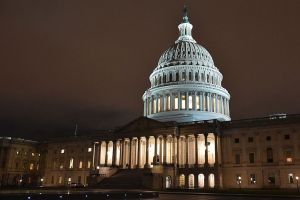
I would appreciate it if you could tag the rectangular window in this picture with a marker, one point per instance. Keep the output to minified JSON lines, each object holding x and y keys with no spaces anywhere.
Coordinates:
{"x":288,"y":156}
{"x":251,"y":157}
{"x":250,"y":139}
{"x":190,"y":102}
{"x":158,"y":104}
{"x":154,"y":105}
{"x":252,"y":179}
{"x":291,"y":178}
{"x":31,"y":166}
{"x":80,"y":164}
{"x":237,"y":159}
{"x":287,"y":137}
{"x":268,"y":138}
{"x":207,"y":102}
{"x":89,"y":164}
{"x":198,"y":102}
{"x":238,"y":179}
{"x":236,"y":140}
{"x":183,"y":76}
{"x":60,"y":180}
{"x":176,"y":103}
{"x":183,"y":102}
{"x":168,"y":102}
{"x":71,"y":163}
{"x":269,"y":155}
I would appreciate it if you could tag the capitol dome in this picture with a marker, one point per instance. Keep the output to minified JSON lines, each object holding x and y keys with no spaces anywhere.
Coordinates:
{"x":186,"y":84}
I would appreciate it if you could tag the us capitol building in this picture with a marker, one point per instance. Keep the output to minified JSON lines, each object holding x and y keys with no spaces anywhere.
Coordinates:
{"x":186,"y":138}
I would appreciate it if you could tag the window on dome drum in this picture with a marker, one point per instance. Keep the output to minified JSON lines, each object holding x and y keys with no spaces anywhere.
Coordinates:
{"x":190,"y":102}
{"x":177,"y":76}
{"x":155,"y":81}
{"x":176,"y":102}
{"x":202,"y":77}
{"x":159,"y":80}
{"x":170,"y":77}
{"x":252,"y":179}
{"x":190,"y":76}
{"x":197,"y":102}
{"x":291,"y":178}
{"x":158,"y":104}
{"x":269,"y":155}
{"x":164,"y":78}
{"x":251,"y":158}
{"x":183,"y":102}
{"x":204,"y":101}
{"x":154,"y":106}
{"x":287,"y":137}
{"x":183,"y":76}
{"x":213,"y":103}
{"x":207,"y":78}
{"x":207,"y":102}
{"x":196,"y":76}
{"x":168,"y":102}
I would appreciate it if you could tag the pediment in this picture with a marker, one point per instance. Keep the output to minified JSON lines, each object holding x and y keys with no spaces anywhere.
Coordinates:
{"x":140,"y":124}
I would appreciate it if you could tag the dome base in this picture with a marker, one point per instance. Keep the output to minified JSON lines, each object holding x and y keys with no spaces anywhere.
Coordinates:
{"x":188,"y":116}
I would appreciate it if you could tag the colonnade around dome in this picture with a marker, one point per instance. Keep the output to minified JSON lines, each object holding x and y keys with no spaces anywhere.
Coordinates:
{"x":197,"y":101}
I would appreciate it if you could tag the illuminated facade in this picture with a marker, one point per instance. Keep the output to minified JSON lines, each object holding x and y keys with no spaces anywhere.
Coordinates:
{"x":184,"y":140}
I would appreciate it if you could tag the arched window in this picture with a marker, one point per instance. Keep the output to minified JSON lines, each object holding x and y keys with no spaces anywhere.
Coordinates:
{"x":181,"y":180}
{"x":190,"y":76}
{"x":211,"y":180}
{"x":201,"y":180}
{"x":202,"y":77}
{"x":168,"y":182}
{"x":191,"y":181}
{"x":155,"y":81}
{"x":159,"y":79}
{"x":207,"y":78}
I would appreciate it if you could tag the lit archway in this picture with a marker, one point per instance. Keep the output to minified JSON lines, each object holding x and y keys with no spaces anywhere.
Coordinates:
{"x":201,"y":180}
{"x":211,"y":180}
{"x":109,"y":153}
{"x":211,"y":148}
{"x":181,"y":180}
{"x":191,"y":181}
{"x":168,"y":182}
{"x":201,"y":149}
{"x":102,"y":153}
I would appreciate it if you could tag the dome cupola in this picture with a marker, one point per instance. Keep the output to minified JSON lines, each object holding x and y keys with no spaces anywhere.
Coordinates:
{"x":186,"y":85}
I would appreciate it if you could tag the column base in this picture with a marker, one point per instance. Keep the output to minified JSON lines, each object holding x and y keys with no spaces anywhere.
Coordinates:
{"x":146,"y":165}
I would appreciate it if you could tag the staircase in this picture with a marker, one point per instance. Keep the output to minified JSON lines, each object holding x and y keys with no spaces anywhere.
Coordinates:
{"x":126,"y":178}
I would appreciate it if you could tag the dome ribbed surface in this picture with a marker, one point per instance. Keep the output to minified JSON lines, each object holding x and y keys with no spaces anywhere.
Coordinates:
{"x":185,"y":52}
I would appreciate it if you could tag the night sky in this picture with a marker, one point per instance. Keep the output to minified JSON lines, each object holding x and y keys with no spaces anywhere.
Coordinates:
{"x":88,"y":62}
